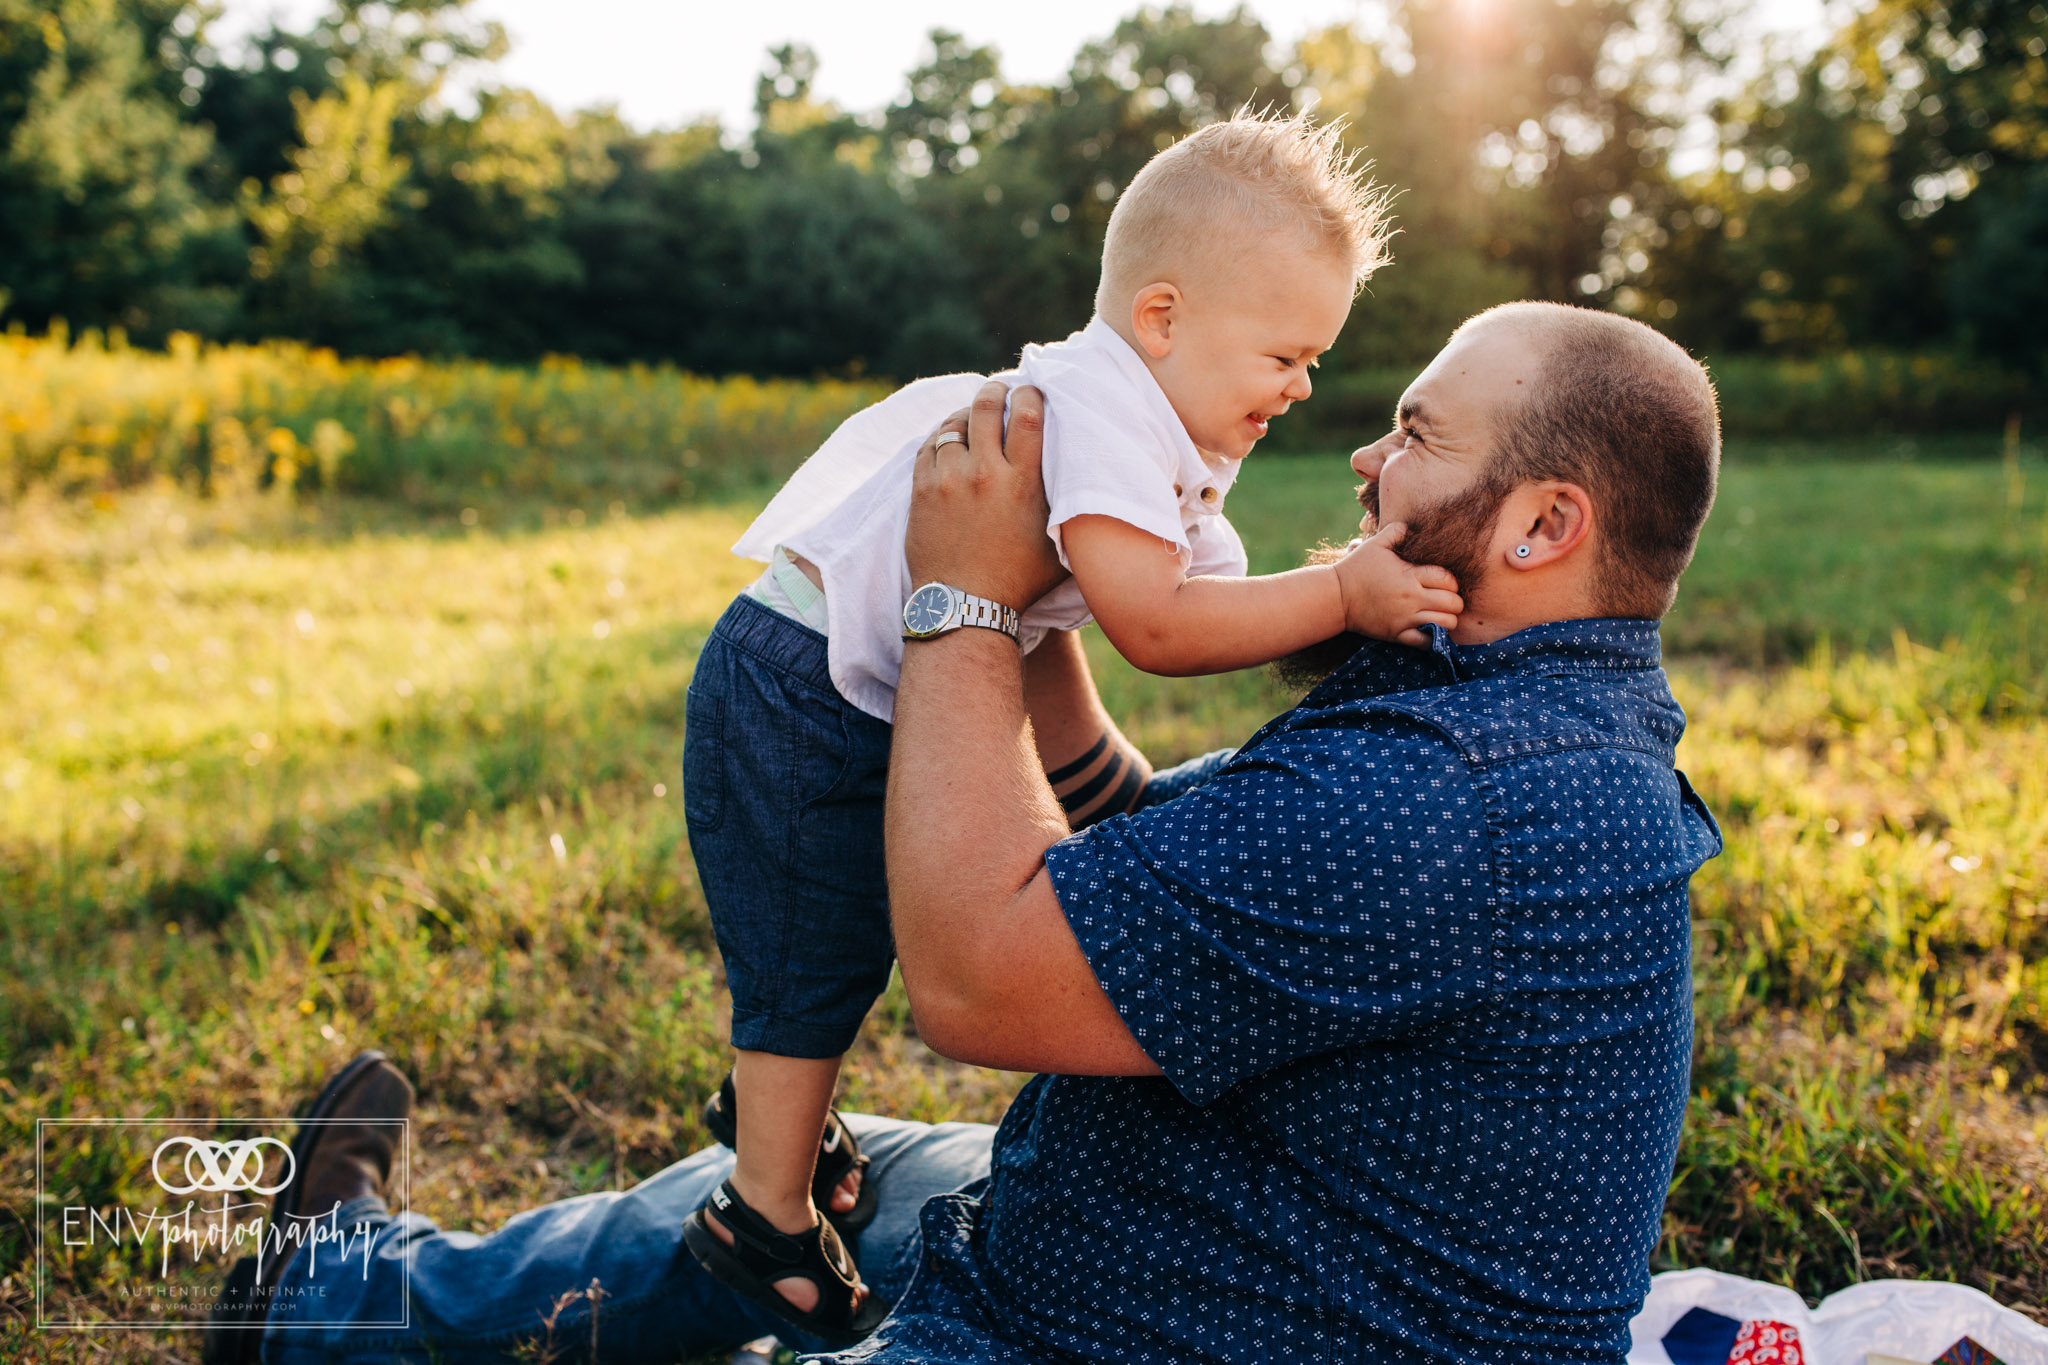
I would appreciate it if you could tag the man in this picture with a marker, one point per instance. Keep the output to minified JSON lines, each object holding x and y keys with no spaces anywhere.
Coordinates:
{"x":1374,"y":1045}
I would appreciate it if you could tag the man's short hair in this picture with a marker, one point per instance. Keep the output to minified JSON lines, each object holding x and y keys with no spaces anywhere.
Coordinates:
{"x":1193,"y":206}
{"x":1622,"y":411}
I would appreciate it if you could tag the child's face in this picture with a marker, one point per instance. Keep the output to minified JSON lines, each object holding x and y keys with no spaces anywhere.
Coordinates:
{"x":1239,"y":348}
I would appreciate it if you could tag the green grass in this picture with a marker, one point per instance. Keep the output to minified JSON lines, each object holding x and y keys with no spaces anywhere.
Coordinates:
{"x":281,"y":781}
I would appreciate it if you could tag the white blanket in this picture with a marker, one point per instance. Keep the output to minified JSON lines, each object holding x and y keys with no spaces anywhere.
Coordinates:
{"x":1908,"y":1320}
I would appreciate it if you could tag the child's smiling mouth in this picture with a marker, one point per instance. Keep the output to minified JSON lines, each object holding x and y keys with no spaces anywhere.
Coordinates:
{"x":1258,"y":421}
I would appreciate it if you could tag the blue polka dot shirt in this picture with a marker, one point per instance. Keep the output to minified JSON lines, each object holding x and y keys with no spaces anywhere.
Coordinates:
{"x":1416,"y":966}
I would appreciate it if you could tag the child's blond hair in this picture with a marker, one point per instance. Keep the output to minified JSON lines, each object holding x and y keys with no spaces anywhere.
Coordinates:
{"x":1190,"y":209}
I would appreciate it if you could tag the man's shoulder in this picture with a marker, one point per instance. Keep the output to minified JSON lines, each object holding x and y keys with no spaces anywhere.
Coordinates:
{"x":1385,"y":741}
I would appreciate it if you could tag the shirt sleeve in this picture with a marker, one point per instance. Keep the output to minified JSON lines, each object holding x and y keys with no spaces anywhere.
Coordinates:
{"x":1168,"y":783}
{"x":1099,"y":464}
{"x":1325,"y":888}
{"x":851,"y":455}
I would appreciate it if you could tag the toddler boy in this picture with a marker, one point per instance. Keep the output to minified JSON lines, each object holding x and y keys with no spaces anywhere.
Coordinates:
{"x":1229,"y":267}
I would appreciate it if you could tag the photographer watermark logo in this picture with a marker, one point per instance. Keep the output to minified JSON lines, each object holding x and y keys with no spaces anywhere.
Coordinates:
{"x":225,"y":1167}
{"x":139,"y":1221}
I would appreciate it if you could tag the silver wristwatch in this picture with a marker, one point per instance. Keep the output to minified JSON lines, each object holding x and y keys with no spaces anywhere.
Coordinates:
{"x":937,"y":608}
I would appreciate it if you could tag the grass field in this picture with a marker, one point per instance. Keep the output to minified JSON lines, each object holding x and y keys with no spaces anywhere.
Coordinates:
{"x":280,"y":780}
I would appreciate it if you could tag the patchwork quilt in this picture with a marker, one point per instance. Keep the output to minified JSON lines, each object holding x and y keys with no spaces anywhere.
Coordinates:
{"x":1702,"y":1317}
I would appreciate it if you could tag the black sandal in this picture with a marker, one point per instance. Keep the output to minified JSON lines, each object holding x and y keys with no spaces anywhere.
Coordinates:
{"x":762,"y":1256}
{"x":838,"y":1156}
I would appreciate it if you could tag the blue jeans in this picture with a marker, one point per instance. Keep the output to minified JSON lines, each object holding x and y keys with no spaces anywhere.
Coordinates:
{"x":480,"y":1298}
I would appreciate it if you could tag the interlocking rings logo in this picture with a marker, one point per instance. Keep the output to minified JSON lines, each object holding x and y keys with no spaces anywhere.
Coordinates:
{"x":225,"y":1167}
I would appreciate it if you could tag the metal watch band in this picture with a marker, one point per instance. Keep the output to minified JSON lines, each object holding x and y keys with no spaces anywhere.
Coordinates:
{"x":980,"y":611}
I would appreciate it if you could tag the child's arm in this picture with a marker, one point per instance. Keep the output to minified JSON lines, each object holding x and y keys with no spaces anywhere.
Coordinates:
{"x":1166,"y":623}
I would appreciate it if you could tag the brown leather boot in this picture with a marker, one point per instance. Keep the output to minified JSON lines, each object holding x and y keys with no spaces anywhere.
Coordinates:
{"x":352,"y":1149}
{"x":344,"y":1148}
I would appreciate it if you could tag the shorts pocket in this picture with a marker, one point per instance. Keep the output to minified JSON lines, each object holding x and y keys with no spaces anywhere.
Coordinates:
{"x":703,"y":758}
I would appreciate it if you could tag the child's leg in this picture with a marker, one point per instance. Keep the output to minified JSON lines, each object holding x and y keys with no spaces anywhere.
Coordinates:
{"x":783,"y":787}
{"x":782,"y":1106}
{"x":782,"y":1102}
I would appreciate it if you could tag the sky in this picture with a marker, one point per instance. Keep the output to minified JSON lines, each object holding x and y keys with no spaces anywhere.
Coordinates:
{"x":669,"y":62}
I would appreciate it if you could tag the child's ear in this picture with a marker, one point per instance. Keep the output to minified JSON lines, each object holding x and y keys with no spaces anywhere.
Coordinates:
{"x":1153,"y":312}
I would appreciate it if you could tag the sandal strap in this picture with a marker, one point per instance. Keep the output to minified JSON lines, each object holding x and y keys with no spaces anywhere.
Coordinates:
{"x":750,"y":1231}
{"x":755,"y":1240}
{"x":720,"y":1115}
{"x":838,"y":1153}
{"x":758,"y":1257}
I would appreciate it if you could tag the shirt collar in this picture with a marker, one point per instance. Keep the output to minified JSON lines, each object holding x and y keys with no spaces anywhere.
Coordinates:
{"x":1197,"y":469}
{"x":1098,"y":335}
{"x":1592,"y":644}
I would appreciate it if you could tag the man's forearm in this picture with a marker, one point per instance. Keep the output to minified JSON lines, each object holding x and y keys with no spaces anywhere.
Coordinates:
{"x":970,"y":815}
{"x":1094,"y":771}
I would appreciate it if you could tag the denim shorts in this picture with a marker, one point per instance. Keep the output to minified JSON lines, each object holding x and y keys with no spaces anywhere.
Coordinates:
{"x":783,"y":781}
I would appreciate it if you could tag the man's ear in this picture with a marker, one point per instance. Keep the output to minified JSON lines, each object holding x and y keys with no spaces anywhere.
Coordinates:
{"x":1154,"y":309}
{"x":1553,"y":519}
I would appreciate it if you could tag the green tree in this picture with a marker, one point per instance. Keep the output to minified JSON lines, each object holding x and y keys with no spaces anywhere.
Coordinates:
{"x":793,"y":254}
{"x":1999,"y":288}
{"x":660,"y":244}
{"x":473,"y":257}
{"x":386,"y":223}
{"x":101,"y":218}
{"x":1444,"y":267}
{"x":954,"y":111}
{"x":1879,"y":193}
{"x":1022,"y":179}
{"x":1527,"y":145}
{"x":248,"y":98}
{"x":316,"y":216}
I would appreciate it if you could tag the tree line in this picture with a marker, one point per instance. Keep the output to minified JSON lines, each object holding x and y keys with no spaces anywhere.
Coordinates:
{"x":1889,"y":190}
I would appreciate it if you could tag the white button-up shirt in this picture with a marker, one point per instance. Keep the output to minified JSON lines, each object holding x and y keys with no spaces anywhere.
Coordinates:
{"x":1113,"y":447}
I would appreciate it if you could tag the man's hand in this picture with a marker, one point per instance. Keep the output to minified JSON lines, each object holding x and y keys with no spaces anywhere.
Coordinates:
{"x":978,"y":509}
{"x":1388,"y":598}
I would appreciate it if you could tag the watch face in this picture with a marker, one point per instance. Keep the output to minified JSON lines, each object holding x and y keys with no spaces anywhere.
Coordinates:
{"x":927,"y":609}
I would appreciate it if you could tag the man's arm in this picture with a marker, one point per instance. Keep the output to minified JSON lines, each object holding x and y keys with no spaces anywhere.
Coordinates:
{"x":993,"y":971}
{"x":1094,"y":771}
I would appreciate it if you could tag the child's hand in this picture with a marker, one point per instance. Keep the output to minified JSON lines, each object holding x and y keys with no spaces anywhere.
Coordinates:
{"x":1388,"y":598}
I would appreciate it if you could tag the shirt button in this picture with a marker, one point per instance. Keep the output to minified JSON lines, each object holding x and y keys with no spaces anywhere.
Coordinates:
{"x":1209,"y":495}
{"x":1176,"y":490}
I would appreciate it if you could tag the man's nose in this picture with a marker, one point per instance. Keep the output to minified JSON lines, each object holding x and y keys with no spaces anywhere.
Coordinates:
{"x":1368,"y":461}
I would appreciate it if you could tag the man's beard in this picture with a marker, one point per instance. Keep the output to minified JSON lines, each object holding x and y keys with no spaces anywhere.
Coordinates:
{"x":1452,"y":532}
